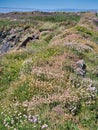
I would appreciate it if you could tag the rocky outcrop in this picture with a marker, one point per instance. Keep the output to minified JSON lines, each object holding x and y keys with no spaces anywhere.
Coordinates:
{"x":16,"y":37}
{"x":8,"y":43}
{"x":5,"y":47}
{"x":24,"y":43}
{"x":81,"y":68}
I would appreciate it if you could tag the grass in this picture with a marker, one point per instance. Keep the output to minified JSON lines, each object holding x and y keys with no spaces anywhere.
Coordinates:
{"x":38,"y":86}
{"x":10,"y":70}
{"x":60,"y":17}
{"x":87,"y":33}
{"x":84,"y":30}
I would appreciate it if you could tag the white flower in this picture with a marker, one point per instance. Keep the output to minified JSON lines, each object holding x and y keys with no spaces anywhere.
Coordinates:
{"x":92,"y":89}
{"x":12,"y":121}
{"x":25,"y":116}
{"x":39,"y":122}
{"x":34,"y":126}
{"x":4,"y":122}
{"x":34,"y":119}
{"x":44,"y":126}
{"x":1,"y":113}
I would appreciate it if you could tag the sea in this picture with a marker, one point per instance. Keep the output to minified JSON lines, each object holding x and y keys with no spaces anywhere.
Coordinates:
{"x":7,"y":10}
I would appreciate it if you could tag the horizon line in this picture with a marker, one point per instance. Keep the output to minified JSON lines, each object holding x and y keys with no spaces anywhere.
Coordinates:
{"x":49,"y":8}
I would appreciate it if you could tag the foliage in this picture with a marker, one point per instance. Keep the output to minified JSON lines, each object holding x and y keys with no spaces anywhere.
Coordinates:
{"x":39,"y":88}
{"x":58,"y":18}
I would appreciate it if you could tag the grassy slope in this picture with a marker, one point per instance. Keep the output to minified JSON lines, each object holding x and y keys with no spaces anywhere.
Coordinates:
{"x":37,"y":84}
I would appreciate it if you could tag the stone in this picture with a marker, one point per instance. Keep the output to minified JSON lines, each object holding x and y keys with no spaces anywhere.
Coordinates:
{"x":12,"y":37}
{"x":5,"y":47}
{"x":81,"y":64}
{"x":81,"y":68}
{"x":0,"y":34}
{"x":24,"y":43}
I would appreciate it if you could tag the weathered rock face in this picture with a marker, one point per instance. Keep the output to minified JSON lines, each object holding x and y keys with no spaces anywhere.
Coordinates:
{"x":5,"y":47}
{"x":8,"y":43}
{"x":81,"y":68}
{"x":16,"y":37}
{"x":24,"y":43}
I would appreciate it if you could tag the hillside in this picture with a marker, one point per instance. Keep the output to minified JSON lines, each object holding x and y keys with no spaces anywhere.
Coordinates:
{"x":49,"y":71}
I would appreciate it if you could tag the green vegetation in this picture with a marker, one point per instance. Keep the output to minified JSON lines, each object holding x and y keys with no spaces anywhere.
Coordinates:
{"x":8,"y":24}
{"x":84,"y":30}
{"x":39,"y":86}
{"x":60,"y":17}
{"x":88,"y":33}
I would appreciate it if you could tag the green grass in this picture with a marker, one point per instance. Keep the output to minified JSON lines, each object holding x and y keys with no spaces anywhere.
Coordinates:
{"x":87,"y":33}
{"x":49,"y":52}
{"x":8,"y":24}
{"x":10,"y":65}
{"x":57,"y":18}
{"x":23,"y":78}
{"x":24,"y":92}
{"x":84,"y":30}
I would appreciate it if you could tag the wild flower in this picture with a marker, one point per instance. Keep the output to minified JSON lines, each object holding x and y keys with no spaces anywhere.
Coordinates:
{"x":4,"y":122}
{"x":92,"y":89}
{"x":2,"y":113}
{"x":12,"y":121}
{"x":25,"y":116}
{"x":34,"y":126}
{"x":44,"y":126}
{"x":19,"y":114}
{"x":35,"y":119}
{"x":39,"y":122}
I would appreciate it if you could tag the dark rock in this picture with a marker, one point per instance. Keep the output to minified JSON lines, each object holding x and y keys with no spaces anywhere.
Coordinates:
{"x":12,"y":37}
{"x":26,"y":27}
{"x":3,"y":35}
{"x":24,"y":43}
{"x":0,"y":34}
{"x":36,"y":37}
{"x":81,"y":68}
{"x":5,"y":47}
{"x":1,"y":40}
